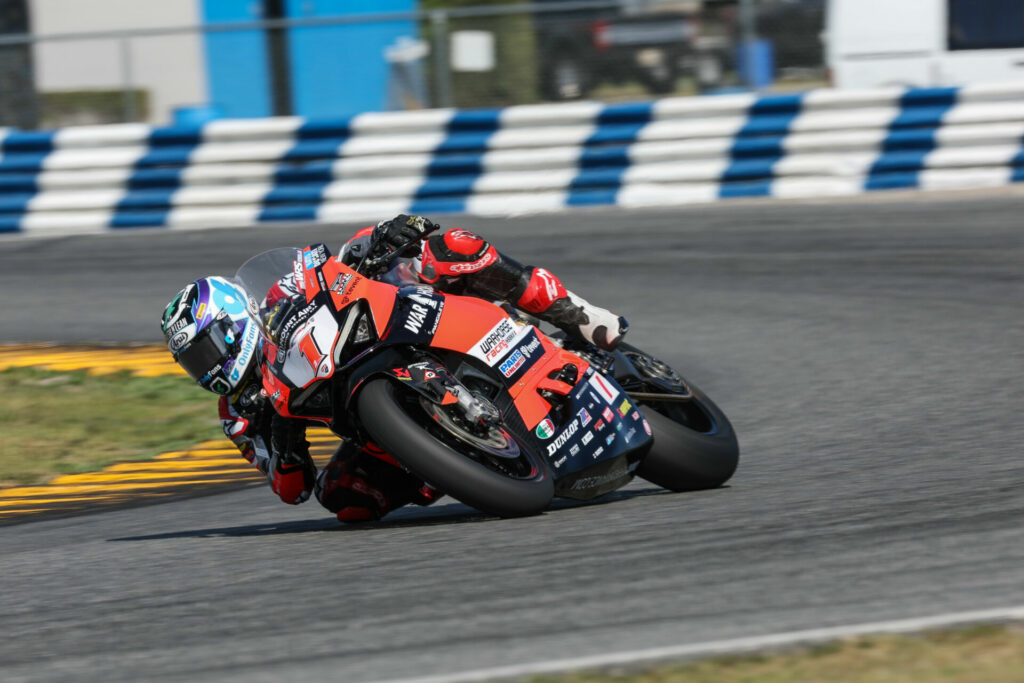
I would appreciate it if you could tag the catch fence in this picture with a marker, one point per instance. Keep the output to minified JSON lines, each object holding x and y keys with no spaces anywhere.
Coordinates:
{"x":442,"y":53}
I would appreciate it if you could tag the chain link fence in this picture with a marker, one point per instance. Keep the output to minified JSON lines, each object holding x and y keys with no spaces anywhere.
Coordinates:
{"x":461,"y":53}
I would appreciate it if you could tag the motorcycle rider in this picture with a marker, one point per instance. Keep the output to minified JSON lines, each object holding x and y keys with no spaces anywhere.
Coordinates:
{"x":212,"y":330}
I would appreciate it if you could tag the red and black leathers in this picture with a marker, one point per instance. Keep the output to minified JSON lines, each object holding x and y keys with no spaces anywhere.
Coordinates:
{"x":461,"y":262}
{"x":366,"y":483}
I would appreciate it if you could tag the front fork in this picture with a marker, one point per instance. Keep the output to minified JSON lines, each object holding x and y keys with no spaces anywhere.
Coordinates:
{"x":432,"y":380}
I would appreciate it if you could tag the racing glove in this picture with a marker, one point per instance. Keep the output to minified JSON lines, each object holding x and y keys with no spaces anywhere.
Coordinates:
{"x":292,"y":473}
{"x":401,"y":229}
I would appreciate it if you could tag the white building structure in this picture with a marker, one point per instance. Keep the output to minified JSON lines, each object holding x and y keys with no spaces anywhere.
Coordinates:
{"x":170,"y":68}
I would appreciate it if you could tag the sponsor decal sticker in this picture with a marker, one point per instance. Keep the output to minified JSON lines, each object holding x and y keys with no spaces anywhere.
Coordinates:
{"x":316,"y":256}
{"x":245,"y":355}
{"x":636,"y":415}
{"x":545,"y":429}
{"x":562,"y":438}
{"x":630,"y":433}
{"x":603,"y":387}
{"x":414,"y":320}
{"x":625,"y":407}
{"x":178,"y":341}
{"x":340,"y":283}
{"x":560,"y":461}
{"x":598,"y":452}
{"x":618,"y":427}
{"x":575,"y":449}
{"x":531,"y":348}
{"x":608,"y":415}
{"x":496,"y":343}
{"x":584,"y":417}
{"x":611,"y":437}
{"x":512,"y":364}
{"x":587,"y":438}
{"x":497,"y":339}
{"x":599,"y":425}
{"x":487,"y":260}
{"x":647,"y":428}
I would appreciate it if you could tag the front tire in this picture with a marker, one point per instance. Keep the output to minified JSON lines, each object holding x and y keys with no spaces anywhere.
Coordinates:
{"x":394,"y":424}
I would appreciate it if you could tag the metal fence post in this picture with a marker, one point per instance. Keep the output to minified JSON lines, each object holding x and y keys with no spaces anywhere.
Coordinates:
{"x":442,"y":68}
{"x":128,"y":94}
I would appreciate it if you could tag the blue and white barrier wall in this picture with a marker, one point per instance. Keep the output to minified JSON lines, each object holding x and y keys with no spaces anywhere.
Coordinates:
{"x":511,"y":161}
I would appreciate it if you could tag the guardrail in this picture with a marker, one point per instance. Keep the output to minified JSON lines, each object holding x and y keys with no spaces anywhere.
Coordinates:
{"x":511,"y":161}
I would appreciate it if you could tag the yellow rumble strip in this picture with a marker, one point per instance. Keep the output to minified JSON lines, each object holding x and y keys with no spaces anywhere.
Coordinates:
{"x":143,"y":361}
{"x":207,"y":465}
{"x":210,"y":464}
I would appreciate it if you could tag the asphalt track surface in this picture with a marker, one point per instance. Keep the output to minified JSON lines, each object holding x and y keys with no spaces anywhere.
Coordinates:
{"x":869,"y":354}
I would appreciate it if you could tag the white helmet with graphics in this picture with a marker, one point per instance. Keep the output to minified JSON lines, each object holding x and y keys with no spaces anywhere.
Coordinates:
{"x":211,"y":328}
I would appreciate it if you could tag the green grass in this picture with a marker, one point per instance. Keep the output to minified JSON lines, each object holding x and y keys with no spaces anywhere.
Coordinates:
{"x":984,"y":654}
{"x":54,"y":423}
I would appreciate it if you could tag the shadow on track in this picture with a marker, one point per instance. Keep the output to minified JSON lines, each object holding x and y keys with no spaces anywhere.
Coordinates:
{"x":408,"y":517}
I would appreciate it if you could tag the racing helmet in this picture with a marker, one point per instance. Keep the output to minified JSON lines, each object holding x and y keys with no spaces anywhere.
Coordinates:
{"x":211,"y":328}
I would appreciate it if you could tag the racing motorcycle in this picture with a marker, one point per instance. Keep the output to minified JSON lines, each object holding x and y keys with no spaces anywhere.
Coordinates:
{"x":473,"y":398}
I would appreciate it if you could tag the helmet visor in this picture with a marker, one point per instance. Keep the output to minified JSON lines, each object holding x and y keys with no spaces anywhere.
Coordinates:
{"x":208,"y":350}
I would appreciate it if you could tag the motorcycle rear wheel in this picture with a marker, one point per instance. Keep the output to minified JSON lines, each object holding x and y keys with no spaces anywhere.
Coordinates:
{"x":403,"y":428}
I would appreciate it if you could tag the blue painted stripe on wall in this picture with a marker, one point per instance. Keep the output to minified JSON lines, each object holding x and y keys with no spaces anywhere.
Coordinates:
{"x":429,"y":206}
{"x":15,"y":203}
{"x":28,"y":141}
{"x":29,"y":163}
{"x":23,"y":153}
{"x":319,"y":171}
{"x":19,"y":182}
{"x":170,"y":149}
{"x":1018,"y":165}
{"x":605,"y":155}
{"x":441,"y":190}
{"x":910,"y":138}
{"x":139,"y":219}
{"x":306,"y":212}
{"x":314,"y":141}
{"x":10,"y":223}
{"x":758,"y":146}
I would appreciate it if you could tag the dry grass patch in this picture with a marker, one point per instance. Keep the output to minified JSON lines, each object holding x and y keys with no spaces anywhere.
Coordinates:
{"x":983,"y":654}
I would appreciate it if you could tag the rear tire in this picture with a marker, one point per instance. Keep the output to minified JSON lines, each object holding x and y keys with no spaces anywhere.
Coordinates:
{"x":388,"y":419}
{"x":687,"y":459}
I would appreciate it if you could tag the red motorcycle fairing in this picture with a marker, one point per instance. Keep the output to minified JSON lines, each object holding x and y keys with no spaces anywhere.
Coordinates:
{"x":409,"y":315}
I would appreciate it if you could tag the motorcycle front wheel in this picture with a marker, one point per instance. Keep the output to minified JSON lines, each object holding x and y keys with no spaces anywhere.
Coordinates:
{"x":492,"y":472}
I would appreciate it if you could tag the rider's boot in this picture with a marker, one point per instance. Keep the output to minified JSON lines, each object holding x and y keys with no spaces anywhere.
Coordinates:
{"x":546,"y":298}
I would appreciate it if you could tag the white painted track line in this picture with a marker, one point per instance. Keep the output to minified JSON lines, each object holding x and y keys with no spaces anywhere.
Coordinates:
{"x":728,"y":646}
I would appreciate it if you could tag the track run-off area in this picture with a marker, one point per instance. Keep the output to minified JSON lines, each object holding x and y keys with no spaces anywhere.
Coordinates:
{"x":869,"y":353}
{"x":207,"y":466}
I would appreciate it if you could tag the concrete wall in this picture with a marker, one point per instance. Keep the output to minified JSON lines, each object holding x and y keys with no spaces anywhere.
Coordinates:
{"x":170,"y":68}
